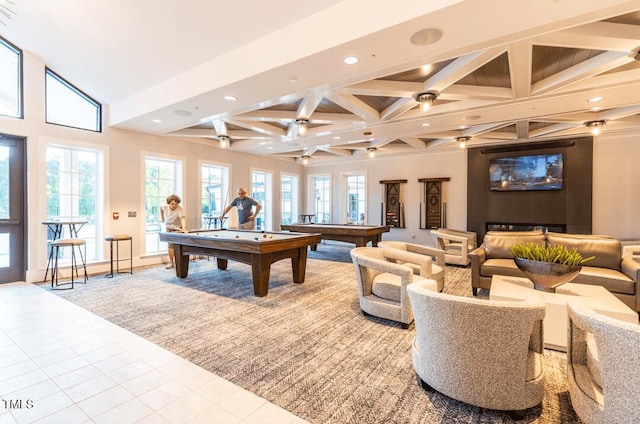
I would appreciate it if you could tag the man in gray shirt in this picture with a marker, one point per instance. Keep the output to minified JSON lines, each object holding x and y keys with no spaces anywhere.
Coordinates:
{"x":246,"y":215}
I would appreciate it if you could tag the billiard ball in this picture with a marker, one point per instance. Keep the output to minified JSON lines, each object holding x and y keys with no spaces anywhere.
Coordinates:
{"x":237,"y":236}
{"x":271,"y":236}
{"x":264,"y":235}
{"x":256,"y":238}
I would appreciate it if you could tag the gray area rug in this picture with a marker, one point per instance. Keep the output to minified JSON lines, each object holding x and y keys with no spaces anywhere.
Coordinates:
{"x":307,"y":348}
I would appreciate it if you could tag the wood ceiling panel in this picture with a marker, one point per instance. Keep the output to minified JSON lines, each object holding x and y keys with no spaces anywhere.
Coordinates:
{"x":547,"y":61}
{"x":493,"y":74}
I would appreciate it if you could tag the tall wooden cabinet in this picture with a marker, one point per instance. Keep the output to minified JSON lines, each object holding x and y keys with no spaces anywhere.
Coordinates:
{"x":433,"y":205}
{"x":392,"y":205}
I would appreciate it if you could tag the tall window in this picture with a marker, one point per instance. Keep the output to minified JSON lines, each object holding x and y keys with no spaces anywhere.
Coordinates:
{"x":321,"y":192}
{"x":356,"y":198}
{"x":11,"y":80}
{"x":162,"y":178}
{"x":214,"y":192}
{"x":75,"y":191}
{"x":289,"y":198}
{"x":68,"y":106}
{"x":261,"y":191}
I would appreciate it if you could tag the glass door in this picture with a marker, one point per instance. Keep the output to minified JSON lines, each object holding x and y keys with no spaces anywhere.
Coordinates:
{"x":12,"y":209}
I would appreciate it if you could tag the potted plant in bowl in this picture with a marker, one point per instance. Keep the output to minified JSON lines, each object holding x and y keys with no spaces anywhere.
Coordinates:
{"x":547,"y":266}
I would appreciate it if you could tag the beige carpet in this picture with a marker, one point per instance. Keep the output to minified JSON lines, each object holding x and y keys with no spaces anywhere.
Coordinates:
{"x":306,"y":348}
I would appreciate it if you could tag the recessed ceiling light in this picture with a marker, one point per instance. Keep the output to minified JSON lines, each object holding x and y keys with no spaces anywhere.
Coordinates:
{"x":230,"y":98}
{"x":270,"y":148}
{"x":595,"y":109}
{"x":157,"y":121}
{"x":293,"y":78}
{"x":182,"y":112}
{"x":595,"y":99}
{"x":426,"y":124}
{"x":471,"y":118}
{"x":351,"y":60}
{"x":337,"y":137}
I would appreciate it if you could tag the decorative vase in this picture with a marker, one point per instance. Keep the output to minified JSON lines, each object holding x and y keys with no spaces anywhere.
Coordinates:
{"x":546,"y":276}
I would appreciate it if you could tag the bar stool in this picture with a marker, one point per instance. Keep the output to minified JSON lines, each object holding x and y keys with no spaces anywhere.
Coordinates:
{"x":117,"y":239}
{"x":56,"y":245}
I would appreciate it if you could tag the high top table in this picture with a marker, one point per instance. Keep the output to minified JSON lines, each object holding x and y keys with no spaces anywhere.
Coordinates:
{"x":56,"y":226}
{"x":555,"y":321}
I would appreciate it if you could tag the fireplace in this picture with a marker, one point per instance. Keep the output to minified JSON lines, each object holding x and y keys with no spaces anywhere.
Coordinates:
{"x":503,"y":226}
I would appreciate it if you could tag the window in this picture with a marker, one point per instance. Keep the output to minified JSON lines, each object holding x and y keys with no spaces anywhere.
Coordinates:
{"x":4,"y":181}
{"x":356,"y":198}
{"x":261,"y":192}
{"x":75,"y":191}
{"x":321,"y":191}
{"x":289,"y":198}
{"x":11,"y":81}
{"x":68,"y":106}
{"x":214,"y":191}
{"x":162,"y":178}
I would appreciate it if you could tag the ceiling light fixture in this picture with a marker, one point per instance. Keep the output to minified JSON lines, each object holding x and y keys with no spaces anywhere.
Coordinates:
{"x":302,"y":126}
{"x":595,"y":126}
{"x":351,"y":60}
{"x":372,"y":152}
{"x":230,"y":98}
{"x":426,"y":100}
{"x":462,"y":141}
{"x":224,"y":141}
{"x":594,"y":99}
{"x":305,"y":159}
{"x":637,"y":56}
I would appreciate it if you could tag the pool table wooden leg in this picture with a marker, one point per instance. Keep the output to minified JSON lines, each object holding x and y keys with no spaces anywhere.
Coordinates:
{"x":299,"y":265}
{"x":222,"y":263}
{"x":182,"y":261}
{"x":260,"y":268}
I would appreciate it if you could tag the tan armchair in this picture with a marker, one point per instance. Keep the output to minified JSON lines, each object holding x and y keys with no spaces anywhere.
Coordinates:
{"x":456,"y":245}
{"x":482,"y":352}
{"x":437,"y":255}
{"x":603,"y":366}
{"x":382,"y":284}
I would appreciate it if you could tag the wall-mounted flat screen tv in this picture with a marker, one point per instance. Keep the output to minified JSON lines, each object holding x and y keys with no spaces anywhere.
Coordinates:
{"x":526,"y":173}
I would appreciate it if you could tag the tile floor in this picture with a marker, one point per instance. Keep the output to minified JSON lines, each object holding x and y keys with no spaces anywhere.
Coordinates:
{"x":62,"y":364}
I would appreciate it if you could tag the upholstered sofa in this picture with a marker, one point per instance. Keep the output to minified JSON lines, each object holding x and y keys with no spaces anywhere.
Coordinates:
{"x":609,"y":268}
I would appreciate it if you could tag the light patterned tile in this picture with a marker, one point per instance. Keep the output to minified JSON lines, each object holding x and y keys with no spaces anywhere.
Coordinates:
{"x":146,"y":382}
{"x":105,"y":401}
{"x":90,"y":388}
{"x":215,"y":415}
{"x":129,"y":412}
{"x":242,"y":403}
{"x":269,"y":413}
{"x":69,"y":415}
{"x":185,"y":408}
{"x":42,"y":408}
{"x":217,"y":390}
{"x":161,"y":396}
{"x":130,"y":371}
{"x":77,"y":377}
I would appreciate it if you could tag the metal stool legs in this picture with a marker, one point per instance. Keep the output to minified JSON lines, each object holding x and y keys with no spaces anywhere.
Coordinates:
{"x":55,"y":247}
{"x":117,"y":239}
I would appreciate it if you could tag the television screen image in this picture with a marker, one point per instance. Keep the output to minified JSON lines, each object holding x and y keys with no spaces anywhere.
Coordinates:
{"x":526,"y":173}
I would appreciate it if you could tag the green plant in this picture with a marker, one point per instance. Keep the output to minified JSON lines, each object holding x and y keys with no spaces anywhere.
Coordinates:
{"x":553,"y":253}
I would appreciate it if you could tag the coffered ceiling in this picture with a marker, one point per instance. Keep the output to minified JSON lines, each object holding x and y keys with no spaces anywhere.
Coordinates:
{"x":503,"y":72}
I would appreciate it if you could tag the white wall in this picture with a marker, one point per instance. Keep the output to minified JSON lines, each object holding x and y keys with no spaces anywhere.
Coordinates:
{"x":616,"y":185}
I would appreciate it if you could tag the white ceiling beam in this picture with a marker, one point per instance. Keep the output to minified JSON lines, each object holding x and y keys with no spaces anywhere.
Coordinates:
{"x":220,"y":126}
{"x":414,"y":142}
{"x":594,"y":36}
{"x":397,"y":108}
{"x":591,"y":67}
{"x":309,"y":105}
{"x":520,"y":68}
{"x":337,"y":151}
{"x":259,"y":127}
{"x":460,"y":68}
{"x":620,"y":112}
{"x":475,"y":92}
{"x":552,"y":129}
{"x":354,"y":105}
{"x":522,"y":129}
{"x":383,"y":88}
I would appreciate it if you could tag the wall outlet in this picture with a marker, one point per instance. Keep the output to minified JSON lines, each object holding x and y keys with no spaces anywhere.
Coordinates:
{"x":413,"y":236}
{"x":132,"y":214}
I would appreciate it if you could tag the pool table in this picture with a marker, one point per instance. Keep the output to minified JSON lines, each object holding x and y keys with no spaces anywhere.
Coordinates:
{"x":257,"y":248}
{"x":358,"y":234}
